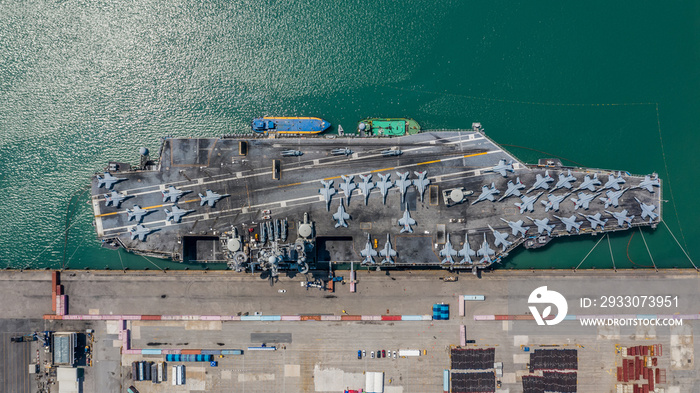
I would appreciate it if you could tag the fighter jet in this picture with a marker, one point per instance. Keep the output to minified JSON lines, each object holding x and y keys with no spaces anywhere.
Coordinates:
{"x":137,"y":213}
{"x":327,"y":192}
{"x":387,"y":252}
{"x":368,"y":252}
{"x":487,"y":193}
{"x":622,"y":218}
{"x":542,"y":225}
{"x":406,"y":221}
{"x":347,"y":186}
{"x":502,"y":167}
{"x":448,"y":252}
{"x":565,"y":181}
{"x":341,"y":152}
{"x":516,"y":226}
{"x":341,"y":216}
{"x":541,"y":182}
{"x":612,"y":197}
{"x":173,"y":194}
{"x":140,"y":231}
{"x":570,"y":223}
{"x":500,"y":239}
{"x":528,"y":202}
{"x":466,"y":252}
{"x":366,"y":186}
{"x":108,"y":180}
{"x":421,"y":183}
{"x":210,"y":198}
{"x":647,"y":210}
{"x":513,"y":189}
{"x":384,"y":184}
{"x":484,"y":251}
{"x":292,"y":153}
{"x":614,"y":181}
{"x":389,"y":153}
{"x":115,"y":199}
{"x":589,"y":183}
{"x":594,"y":220}
{"x":403,"y":183}
{"x":583,"y":200}
{"x":554,"y":201}
{"x":176,"y":214}
{"x":649,"y":183}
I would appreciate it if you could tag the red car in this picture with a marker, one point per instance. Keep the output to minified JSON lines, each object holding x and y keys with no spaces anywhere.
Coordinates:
{"x":383,"y":353}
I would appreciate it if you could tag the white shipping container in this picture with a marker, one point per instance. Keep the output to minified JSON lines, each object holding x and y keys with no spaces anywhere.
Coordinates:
{"x":174,"y":375}
{"x":409,"y":352}
{"x":160,"y":372}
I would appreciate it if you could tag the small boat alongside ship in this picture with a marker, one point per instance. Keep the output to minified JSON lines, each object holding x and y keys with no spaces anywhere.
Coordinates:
{"x":290,"y":125}
{"x":388,"y":126}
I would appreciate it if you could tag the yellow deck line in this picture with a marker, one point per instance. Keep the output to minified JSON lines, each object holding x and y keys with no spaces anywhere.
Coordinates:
{"x":331,"y":178}
{"x":475,"y":154}
{"x":288,"y":185}
{"x":381,"y":170}
{"x":428,"y":162}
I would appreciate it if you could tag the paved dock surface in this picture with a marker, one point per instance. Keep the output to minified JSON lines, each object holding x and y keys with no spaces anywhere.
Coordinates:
{"x":314,"y":356}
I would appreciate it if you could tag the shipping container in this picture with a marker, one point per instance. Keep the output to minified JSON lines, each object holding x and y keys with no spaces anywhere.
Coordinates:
{"x":154,"y":373}
{"x":146,"y":371}
{"x":191,"y":351}
{"x":409,"y":352}
{"x":134,"y":371}
{"x":211,"y":352}
{"x":446,"y":381}
{"x":232,"y":352}
{"x":173,"y":376}
{"x":474,"y":297}
{"x":142,"y":370}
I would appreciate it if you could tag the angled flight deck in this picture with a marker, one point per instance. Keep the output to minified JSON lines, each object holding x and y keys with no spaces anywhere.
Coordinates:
{"x":252,"y":206}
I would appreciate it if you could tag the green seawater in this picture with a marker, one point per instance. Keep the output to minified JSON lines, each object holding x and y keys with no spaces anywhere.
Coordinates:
{"x":600,"y":84}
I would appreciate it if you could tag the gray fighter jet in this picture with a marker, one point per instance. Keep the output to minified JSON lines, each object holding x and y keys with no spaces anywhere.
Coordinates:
{"x":513,"y":189}
{"x":108,"y":180}
{"x":448,"y":252}
{"x":612,"y":197}
{"x":543,"y":225}
{"x":485,"y":251}
{"x":589,"y":183}
{"x":368,"y":252}
{"x":501,"y":239}
{"x":137,"y":213}
{"x":516,"y":227}
{"x":140,"y":231}
{"x":554,"y":201}
{"x":390,"y":153}
{"x":292,"y":153}
{"x":614,"y":181}
{"x":466,"y":252}
{"x":406,"y":221}
{"x":650,"y":182}
{"x":622,"y":218}
{"x":487,"y":193}
{"x":502,"y":167}
{"x":327,"y":192}
{"x":570,"y":223}
{"x":341,"y":152}
{"x":403,"y":183}
{"x":528,"y":203}
{"x":115,"y":199}
{"x":583,"y":200}
{"x":177,"y":213}
{"x":565,"y":181}
{"x":347,"y":186}
{"x":173,"y":194}
{"x":594,"y":220}
{"x":341,"y":216}
{"x":366,"y":186}
{"x":387,"y":252}
{"x":647,"y":210}
{"x":541,"y":182}
{"x":384,"y":185}
{"x":421,"y":183}
{"x":210,"y":198}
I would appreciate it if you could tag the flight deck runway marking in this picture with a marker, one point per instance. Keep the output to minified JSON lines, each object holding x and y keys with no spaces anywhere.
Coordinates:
{"x":265,"y":171}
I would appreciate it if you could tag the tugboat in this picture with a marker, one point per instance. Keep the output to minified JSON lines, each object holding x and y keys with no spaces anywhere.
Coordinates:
{"x":388,"y":127}
{"x":290,"y":125}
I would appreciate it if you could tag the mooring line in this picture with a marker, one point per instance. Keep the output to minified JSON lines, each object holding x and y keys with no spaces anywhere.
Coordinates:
{"x":589,"y":252}
{"x":679,"y":245}
{"x":647,"y":246}
{"x":152,"y":263}
{"x":611,"y":253}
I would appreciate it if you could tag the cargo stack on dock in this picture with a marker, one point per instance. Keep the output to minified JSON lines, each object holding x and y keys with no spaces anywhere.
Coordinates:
{"x":451,"y":199}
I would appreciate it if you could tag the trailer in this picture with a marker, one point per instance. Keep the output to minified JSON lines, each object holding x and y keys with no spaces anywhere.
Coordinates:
{"x":409,"y":352}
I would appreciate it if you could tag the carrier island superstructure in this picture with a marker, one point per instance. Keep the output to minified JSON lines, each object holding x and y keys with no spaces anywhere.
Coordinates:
{"x":453,"y":199}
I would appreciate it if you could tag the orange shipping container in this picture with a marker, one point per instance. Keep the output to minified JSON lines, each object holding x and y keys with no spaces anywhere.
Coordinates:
{"x":310,"y":317}
{"x":191,"y":352}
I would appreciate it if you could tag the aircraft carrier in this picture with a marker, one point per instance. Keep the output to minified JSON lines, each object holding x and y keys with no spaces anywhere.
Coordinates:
{"x":277,"y":198}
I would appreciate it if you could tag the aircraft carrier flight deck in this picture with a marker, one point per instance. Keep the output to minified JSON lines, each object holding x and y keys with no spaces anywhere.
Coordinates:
{"x":453,"y":199}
